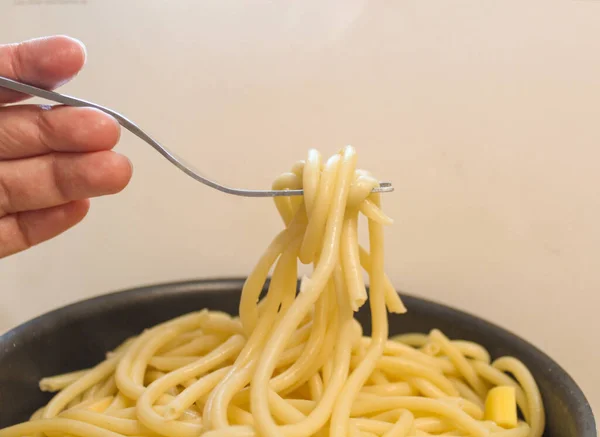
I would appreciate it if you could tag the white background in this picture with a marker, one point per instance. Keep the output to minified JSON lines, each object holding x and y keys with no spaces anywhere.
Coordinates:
{"x":484,"y":114}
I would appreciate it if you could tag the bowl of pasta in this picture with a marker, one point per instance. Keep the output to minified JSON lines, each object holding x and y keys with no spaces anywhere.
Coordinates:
{"x":77,"y":337}
{"x":273,"y":356}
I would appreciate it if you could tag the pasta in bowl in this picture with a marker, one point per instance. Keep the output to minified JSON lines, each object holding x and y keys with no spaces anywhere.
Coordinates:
{"x":316,"y":362}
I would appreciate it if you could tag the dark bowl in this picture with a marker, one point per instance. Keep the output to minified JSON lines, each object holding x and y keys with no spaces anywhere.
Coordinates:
{"x":77,"y":336}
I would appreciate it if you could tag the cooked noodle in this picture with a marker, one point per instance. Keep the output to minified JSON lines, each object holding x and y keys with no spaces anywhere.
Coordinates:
{"x":296,"y":365}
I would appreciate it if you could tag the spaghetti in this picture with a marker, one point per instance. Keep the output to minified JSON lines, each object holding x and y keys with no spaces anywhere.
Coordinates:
{"x":298,"y":365}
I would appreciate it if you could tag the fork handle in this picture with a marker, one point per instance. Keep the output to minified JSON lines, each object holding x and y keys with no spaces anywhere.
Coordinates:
{"x":53,"y":96}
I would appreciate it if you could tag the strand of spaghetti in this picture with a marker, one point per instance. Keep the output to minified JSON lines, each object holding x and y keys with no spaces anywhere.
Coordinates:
{"x":413,"y":339}
{"x":281,"y":383}
{"x":80,"y":405}
{"x":321,"y":415}
{"x":181,"y":340}
{"x":282,"y":410}
{"x":38,"y":413}
{"x":467,"y":392}
{"x":373,"y":212}
{"x":305,"y":406}
{"x":431,"y":348}
{"x":188,"y":396}
{"x":298,"y":169}
{"x":402,"y":427}
{"x":237,"y":378}
{"x":392,"y":298}
{"x":361,"y":187}
{"x":58,"y":382}
{"x":275,"y":295}
{"x":311,"y":178}
{"x":315,"y":384}
{"x":388,"y":416}
{"x":57,"y":425}
{"x":313,"y":347}
{"x":131,"y":388}
{"x":310,"y":291}
{"x":317,"y":223}
{"x":329,"y":344}
{"x":534,"y":399}
{"x":130,"y":413}
{"x":353,"y":430}
{"x":522,"y":430}
{"x":222,"y":323}
{"x":288,"y":291}
{"x":287,"y":286}
{"x":393,"y":415}
{"x":255,"y":281}
{"x":90,"y":392}
{"x":289,"y":357}
{"x":119,"y":402}
{"x":472,"y":409}
{"x":240,"y":373}
{"x":215,"y":412}
{"x":62,"y":399}
{"x":317,"y":349}
{"x":472,"y":350}
{"x":432,"y":424}
{"x":238,"y":416}
{"x":231,"y":431}
{"x":400,"y":350}
{"x":115,"y":424}
{"x":461,"y":363}
{"x":498,"y":377}
{"x":184,"y":338}
{"x":173,"y":428}
{"x":155,"y":422}
{"x":326,"y":371}
{"x":406,"y":419}
{"x":390,"y":389}
{"x":446,"y":410}
{"x":124,"y":413}
{"x":427,"y":388}
{"x":351,"y":261}
{"x":100,"y":405}
{"x":295,"y":380}
{"x":286,"y":181}
{"x":74,"y":402}
{"x":402,"y":366}
{"x":152,"y":344}
{"x":341,"y":412}
{"x":370,"y":425}
{"x":322,"y":411}
{"x":297,"y":202}
{"x":109,"y":388}
{"x":300,"y":336}
{"x":190,"y":415}
{"x":378,"y":377}
{"x":197,"y":346}
{"x":168,"y":364}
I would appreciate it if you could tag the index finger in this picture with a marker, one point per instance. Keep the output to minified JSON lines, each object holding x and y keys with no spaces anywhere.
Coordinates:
{"x":44,"y":62}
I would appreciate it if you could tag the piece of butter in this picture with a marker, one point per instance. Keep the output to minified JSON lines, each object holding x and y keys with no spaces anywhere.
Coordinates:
{"x":501,"y":406}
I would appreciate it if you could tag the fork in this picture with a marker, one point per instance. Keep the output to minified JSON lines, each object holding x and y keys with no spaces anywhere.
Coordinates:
{"x":178,"y":162}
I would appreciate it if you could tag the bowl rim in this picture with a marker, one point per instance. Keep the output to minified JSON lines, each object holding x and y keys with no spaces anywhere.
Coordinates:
{"x":585,"y":417}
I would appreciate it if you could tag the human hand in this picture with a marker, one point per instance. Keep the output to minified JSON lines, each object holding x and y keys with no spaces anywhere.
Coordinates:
{"x":52,"y":159}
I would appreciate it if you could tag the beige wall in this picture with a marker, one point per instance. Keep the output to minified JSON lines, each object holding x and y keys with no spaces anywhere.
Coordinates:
{"x":484,"y":114}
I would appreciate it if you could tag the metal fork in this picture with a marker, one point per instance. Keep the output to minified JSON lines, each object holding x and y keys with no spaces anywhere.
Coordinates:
{"x":170,"y":156}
